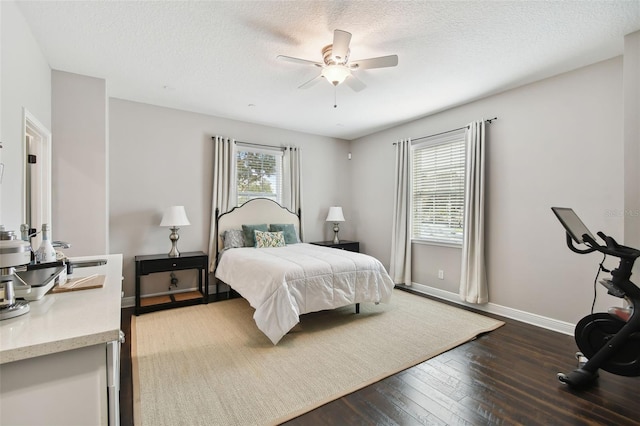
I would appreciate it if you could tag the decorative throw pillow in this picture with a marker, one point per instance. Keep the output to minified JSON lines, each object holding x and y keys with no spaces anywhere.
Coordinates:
{"x":249,"y":236}
{"x":288,"y":230}
{"x":269,"y":239}
{"x":233,"y":238}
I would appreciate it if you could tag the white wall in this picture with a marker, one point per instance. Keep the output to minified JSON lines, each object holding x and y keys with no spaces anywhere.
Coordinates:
{"x":79,"y":163}
{"x":25,"y":83}
{"x":161,"y":157}
{"x":548,"y":136}
{"x":553,"y":145}
{"x":632,"y":144}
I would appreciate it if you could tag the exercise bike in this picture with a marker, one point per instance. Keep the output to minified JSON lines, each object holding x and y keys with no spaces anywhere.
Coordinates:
{"x":611,"y":340}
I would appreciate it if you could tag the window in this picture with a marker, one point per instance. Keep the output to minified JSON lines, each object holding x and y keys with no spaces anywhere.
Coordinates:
{"x":438,"y":189}
{"x":259,"y":173}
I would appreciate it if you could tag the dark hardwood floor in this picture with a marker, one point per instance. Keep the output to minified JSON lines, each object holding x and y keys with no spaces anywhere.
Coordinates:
{"x":505,"y":377}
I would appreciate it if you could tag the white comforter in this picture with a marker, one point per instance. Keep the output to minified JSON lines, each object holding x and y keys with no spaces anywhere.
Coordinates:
{"x":284,"y":282}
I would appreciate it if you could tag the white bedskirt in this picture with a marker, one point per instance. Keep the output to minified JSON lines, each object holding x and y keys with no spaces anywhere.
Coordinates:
{"x":284,"y":282}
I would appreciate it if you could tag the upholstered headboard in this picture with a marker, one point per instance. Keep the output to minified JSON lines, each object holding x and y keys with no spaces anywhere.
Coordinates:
{"x":253,"y":212}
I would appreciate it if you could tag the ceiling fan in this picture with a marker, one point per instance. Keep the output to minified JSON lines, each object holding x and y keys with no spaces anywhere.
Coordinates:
{"x":336,"y":67}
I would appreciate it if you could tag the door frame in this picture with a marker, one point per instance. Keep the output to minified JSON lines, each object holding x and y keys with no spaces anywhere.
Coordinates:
{"x":36,"y":141}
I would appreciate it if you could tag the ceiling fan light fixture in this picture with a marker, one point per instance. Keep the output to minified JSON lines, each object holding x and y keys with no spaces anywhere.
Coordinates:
{"x":336,"y":74}
{"x":335,"y":64}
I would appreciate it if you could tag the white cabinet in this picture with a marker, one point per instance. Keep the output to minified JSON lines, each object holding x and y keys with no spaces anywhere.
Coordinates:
{"x":64,"y":388}
{"x":59,"y":363}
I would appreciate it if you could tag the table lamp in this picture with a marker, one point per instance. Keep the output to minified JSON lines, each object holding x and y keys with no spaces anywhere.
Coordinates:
{"x":174,"y":217}
{"x":335,"y":215}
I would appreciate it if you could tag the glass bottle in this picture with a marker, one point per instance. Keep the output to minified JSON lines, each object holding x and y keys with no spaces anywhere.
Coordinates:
{"x":24,"y":235}
{"x":46,"y":252}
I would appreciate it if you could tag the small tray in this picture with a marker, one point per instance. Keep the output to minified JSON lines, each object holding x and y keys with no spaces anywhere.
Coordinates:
{"x":80,"y":283}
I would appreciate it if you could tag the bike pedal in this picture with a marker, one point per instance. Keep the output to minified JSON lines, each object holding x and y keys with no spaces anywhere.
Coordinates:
{"x":582,"y":360}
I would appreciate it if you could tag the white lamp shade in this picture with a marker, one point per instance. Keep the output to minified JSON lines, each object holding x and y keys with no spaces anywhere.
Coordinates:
{"x":175,"y":216}
{"x":335,"y":73}
{"x":335,"y":214}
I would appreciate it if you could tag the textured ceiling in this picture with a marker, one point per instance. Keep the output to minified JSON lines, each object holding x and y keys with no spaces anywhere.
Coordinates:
{"x":219,"y":57}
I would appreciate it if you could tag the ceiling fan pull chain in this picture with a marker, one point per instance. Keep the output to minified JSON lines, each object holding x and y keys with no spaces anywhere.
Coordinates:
{"x":335,"y":96}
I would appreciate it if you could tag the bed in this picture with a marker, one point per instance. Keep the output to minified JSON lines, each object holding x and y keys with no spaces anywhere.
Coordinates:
{"x":283,"y":281}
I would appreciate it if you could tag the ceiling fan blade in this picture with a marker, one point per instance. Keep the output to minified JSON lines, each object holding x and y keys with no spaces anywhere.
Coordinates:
{"x":381,"y":62}
{"x":355,"y":83}
{"x":298,"y":60}
{"x":310,"y":83}
{"x":340,"y":48}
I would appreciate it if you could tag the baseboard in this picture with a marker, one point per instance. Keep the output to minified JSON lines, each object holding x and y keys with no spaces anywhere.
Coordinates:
{"x":518,"y":315}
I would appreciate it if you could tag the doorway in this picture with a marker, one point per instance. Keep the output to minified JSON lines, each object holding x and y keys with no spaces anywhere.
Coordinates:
{"x":37,"y":177}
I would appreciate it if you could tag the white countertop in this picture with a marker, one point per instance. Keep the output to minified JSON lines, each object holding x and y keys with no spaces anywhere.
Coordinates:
{"x":64,"y":321}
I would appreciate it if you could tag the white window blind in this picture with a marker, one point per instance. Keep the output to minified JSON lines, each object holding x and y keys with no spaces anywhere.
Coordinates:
{"x":438,"y":189}
{"x":259,"y":173}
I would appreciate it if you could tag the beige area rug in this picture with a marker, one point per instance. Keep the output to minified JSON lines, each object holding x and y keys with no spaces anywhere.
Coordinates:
{"x":209,"y":364}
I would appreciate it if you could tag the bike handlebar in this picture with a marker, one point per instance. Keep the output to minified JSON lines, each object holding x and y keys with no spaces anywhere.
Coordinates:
{"x":612,"y":247}
{"x":575,"y":249}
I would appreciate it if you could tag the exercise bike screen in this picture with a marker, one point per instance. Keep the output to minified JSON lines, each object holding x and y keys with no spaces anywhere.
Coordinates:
{"x":572,"y":223}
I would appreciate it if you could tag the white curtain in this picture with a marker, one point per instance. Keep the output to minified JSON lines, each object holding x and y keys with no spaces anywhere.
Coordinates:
{"x":224,"y":187}
{"x":473,"y":281}
{"x":400,"y":268}
{"x":292,"y":188}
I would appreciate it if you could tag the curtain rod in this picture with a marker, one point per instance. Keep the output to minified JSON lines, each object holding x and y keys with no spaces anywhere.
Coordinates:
{"x":488,"y":120}
{"x":282,"y":148}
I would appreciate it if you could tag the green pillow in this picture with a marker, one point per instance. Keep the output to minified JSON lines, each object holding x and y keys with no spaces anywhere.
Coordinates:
{"x":249,"y":236}
{"x":288,"y":230}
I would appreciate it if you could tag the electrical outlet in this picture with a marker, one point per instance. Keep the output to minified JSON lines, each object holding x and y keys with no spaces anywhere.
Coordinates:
{"x":441,"y":274}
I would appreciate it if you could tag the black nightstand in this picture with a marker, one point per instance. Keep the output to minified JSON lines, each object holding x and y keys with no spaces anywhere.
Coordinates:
{"x":343,"y":245}
{"x":150,"y":264}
